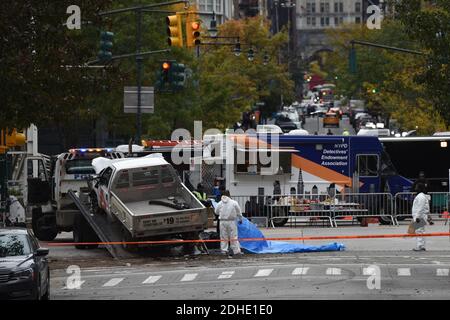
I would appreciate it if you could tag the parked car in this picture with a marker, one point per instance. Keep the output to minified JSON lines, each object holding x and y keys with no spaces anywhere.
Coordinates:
{"x":331,"y":119}
{"x":24,"y":270}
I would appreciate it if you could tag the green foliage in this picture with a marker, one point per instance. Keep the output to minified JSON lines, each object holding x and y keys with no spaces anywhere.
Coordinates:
{"x":385,"y":79}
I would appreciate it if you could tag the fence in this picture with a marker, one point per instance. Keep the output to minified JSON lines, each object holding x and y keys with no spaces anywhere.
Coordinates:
{"x":277,"y":210}
{"x":439,"y":205}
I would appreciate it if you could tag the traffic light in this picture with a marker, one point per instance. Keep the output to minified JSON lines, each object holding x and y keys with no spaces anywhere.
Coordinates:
{"x":193,"y":33}
{"x":106,"y":45}
{"x":11,"y":139}
{"x":174,"y":31}
{"x":352,"y":61}
{"x":178,"y":76}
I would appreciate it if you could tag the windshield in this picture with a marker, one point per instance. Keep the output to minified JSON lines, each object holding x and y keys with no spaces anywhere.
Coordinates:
{"x":12,"y":245}
{"x":80,"y":166}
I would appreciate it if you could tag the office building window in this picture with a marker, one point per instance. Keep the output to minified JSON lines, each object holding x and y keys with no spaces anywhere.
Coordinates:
{"x":338,"y":7}
{"x":202,"y":5}
{"x":358,"y":7}
{"x":325,"y":21}
{"x":358,"y":20}
{"x":218,"y":6}
{"x":336,"y":21}
{"x":210,"y":5}
{"x":308,"y":21}
{"x":313,"y":20}
{"x":311,"y":7}
{"x":324,"y":7}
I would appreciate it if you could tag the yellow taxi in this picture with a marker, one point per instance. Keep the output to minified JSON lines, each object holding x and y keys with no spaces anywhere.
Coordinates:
{"x":331,"y":119}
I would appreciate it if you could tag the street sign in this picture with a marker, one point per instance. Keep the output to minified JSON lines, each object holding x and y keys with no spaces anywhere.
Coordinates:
{"x":130,"y":99}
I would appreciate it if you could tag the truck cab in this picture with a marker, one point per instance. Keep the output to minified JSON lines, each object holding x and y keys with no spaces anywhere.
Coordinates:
{"x":48,"y":183}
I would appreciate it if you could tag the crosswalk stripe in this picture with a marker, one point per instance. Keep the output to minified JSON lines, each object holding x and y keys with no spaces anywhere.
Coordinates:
{"x":189,"y":276}
{"x":334,"y":271}
{"x":151,"y":279}
{"x":442,"y":272}
{"x":226,"y":275}
{"x":404,"y":272}
{"x":300,"y":271}
{"x":113,"y":282}
{"x":263,"y":273}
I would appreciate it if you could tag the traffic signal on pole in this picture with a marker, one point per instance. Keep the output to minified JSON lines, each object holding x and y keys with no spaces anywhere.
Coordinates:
{"x":10,"y":139}
{"x":106,"y":45}
{"x":178,"y":76}
{"x":193,"y":32}
{"x":352,"y":61}
{"x":174,"y":31}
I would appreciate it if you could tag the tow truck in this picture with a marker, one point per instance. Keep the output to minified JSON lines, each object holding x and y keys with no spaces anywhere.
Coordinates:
{"x":134,"y":199}
{"x":47,"y":182}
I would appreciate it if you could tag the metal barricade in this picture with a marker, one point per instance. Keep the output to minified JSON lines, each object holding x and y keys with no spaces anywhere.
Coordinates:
{"x":439,"y":205}
{"x":364,"y":205}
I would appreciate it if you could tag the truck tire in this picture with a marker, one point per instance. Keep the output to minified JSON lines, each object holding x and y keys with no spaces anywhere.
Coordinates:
{"x":279,"y":222}
{"x":126,"y":237}
{"x":82,"y":232}
{"x":44,"y":226}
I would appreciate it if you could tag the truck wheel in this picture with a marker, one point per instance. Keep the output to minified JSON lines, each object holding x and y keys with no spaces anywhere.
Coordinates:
{"x":279,"y":222}
{"x":126,"y":237}
{"x":44,"y":226}
{"x":82,"y":232}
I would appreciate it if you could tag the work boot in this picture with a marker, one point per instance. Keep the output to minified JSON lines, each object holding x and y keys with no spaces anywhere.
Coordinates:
{"x":420,"y":249}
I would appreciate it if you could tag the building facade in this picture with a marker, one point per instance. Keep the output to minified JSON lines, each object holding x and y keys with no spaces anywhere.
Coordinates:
{"x":314,"y":17}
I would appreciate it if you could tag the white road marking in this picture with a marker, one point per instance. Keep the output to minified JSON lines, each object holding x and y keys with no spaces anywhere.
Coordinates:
{"x":442,"y":272}
{"x":79,"y":286}
{"x":113,"y":282}
{"x":300,"y":271}
{"x":151,"y":279}
{"x":226,"y":275}
{"x":404,"y":272}
{"x":334,"y":271}
{"x":263,"y":273}
{"x":189,"y":277}
{"x":368,"y":271}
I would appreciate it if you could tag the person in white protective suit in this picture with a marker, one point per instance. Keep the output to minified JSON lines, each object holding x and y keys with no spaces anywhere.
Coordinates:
{"x":420,"y":210}
{"x":229,"y":211}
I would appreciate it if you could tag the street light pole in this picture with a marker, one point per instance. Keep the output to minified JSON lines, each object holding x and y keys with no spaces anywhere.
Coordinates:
{"x":139,"y":60}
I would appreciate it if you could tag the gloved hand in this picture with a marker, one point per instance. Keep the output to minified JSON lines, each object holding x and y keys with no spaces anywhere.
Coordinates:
{"x":418,"y":220}
{"x":240,"y":221}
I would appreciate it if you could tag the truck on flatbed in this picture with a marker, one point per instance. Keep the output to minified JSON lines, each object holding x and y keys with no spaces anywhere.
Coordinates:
{"x":140,"y":198}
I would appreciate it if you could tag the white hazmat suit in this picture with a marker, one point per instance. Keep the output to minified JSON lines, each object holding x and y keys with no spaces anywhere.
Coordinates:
{"x":228,"y":211}
{"x":420,"y":210}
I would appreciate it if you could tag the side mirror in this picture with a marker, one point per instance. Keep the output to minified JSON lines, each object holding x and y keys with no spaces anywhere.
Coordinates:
{"x":41,"y":252}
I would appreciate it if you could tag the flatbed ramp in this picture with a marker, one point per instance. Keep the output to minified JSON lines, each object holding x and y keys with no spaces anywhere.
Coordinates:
{"x":106,"y":231}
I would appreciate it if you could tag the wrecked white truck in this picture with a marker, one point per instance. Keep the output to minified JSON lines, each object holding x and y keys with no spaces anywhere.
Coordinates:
{"x":140,"y":199}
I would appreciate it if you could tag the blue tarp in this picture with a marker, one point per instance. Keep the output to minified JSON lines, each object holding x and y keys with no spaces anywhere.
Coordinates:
{"x":249,"y":230}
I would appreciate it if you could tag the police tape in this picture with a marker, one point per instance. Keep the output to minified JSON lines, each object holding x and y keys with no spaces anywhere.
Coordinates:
{"x":371,"y":236}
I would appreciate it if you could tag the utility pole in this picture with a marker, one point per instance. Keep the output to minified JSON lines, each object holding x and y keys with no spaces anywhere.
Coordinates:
{"x":139,"y":60}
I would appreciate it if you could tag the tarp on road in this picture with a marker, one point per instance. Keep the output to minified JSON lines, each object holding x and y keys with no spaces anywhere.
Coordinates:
{"x":248,"y":230}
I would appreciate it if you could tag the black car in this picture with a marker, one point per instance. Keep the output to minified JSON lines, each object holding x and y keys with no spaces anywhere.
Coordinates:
{"x":285,"y":124}
{"x":24,"y":271}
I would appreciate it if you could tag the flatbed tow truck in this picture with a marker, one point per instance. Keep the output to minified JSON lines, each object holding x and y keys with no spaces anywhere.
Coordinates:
{"x":132,"y":200}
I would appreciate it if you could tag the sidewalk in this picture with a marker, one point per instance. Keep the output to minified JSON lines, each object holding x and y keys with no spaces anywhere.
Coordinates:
{"x":382,"y":244}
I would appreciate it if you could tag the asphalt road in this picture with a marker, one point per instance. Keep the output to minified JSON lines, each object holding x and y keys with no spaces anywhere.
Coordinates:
{"x":404,"y":274}
{"x":296,"y":276}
